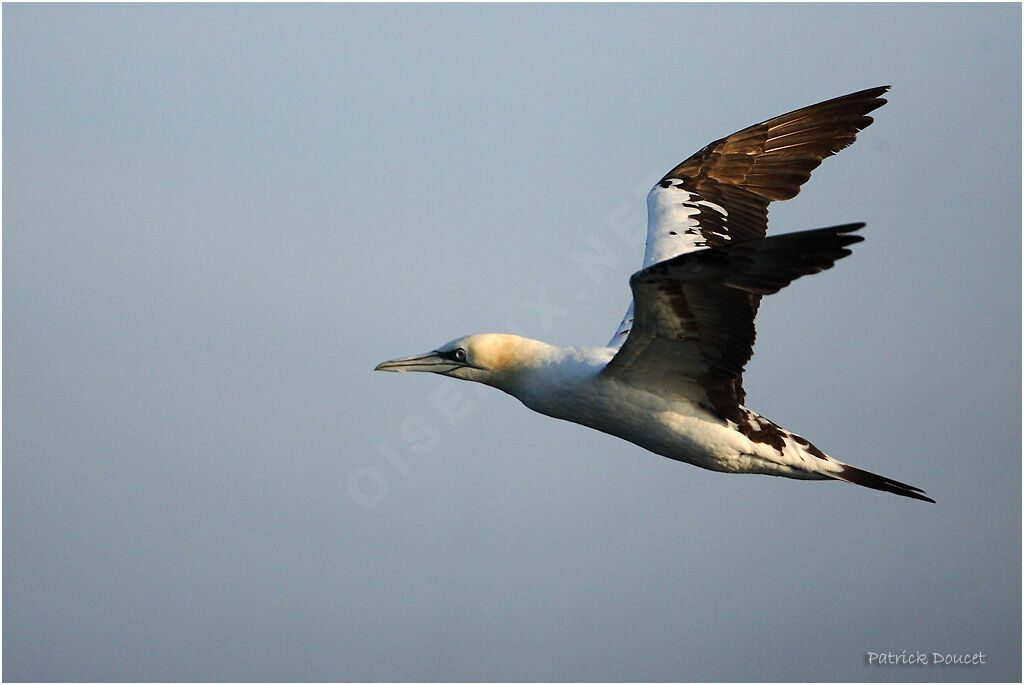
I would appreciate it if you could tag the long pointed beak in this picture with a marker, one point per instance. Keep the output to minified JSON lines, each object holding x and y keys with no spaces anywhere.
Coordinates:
{"x":431,"y":361}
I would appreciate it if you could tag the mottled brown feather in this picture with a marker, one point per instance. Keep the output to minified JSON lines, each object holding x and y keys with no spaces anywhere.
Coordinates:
{"x":769,"y":161}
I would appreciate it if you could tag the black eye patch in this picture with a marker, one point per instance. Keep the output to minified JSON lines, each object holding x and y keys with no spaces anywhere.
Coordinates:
{"x":456,"y":355}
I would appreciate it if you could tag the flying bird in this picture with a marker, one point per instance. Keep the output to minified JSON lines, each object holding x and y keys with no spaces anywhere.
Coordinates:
{"x":671,"y":378}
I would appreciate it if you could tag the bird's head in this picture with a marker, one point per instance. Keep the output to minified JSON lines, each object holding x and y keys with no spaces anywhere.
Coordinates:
{"x":486,"y":358}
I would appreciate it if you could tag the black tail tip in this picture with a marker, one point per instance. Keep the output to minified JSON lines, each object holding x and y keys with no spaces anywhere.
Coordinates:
{"x":851,"y":474}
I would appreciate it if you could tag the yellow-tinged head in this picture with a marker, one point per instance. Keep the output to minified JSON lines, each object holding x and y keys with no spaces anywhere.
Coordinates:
{"x":485,"y":358}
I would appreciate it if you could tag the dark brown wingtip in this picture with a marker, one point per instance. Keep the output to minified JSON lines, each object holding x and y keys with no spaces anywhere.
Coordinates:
{"x":769,"y":161}
{"x":851,"y":474}
{"x":862,"y":102}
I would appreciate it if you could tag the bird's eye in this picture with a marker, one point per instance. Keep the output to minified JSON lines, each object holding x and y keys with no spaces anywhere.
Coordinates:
{"x":459,"y":355}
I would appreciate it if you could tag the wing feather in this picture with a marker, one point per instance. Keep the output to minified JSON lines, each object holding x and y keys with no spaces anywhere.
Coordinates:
{"x":694,"y":314}
{"x":721,"y":193}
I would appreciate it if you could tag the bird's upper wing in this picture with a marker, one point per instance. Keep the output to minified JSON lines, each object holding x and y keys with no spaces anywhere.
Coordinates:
{"x":694,"y":327}
{"x":721,"y":194}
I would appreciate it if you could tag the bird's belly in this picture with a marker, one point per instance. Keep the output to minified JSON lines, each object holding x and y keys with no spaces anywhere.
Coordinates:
{"x":677,"y":429}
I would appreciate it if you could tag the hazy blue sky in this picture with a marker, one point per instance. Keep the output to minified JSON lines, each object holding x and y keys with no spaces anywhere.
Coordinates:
{"x":218,"y":219}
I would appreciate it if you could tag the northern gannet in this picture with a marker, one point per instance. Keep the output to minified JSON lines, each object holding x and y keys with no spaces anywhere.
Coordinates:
{"x":670,"y":379}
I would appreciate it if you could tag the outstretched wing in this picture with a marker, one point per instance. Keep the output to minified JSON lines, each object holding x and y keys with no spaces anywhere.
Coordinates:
{"x":721,"y":194}
{"x":694,"y":326}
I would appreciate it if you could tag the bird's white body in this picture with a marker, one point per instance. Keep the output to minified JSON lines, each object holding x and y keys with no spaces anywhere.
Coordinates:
{"x":567,"y":383}
{"x":670,"y":379}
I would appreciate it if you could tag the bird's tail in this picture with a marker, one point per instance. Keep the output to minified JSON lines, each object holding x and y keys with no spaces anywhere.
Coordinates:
{"x":851,"y":474}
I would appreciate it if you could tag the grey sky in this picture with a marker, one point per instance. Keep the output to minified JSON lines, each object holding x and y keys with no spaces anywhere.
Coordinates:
{"x":218,"y":218}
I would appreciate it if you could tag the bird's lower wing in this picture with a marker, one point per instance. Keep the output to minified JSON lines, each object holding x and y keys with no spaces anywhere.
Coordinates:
{"x":693,"y":328}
